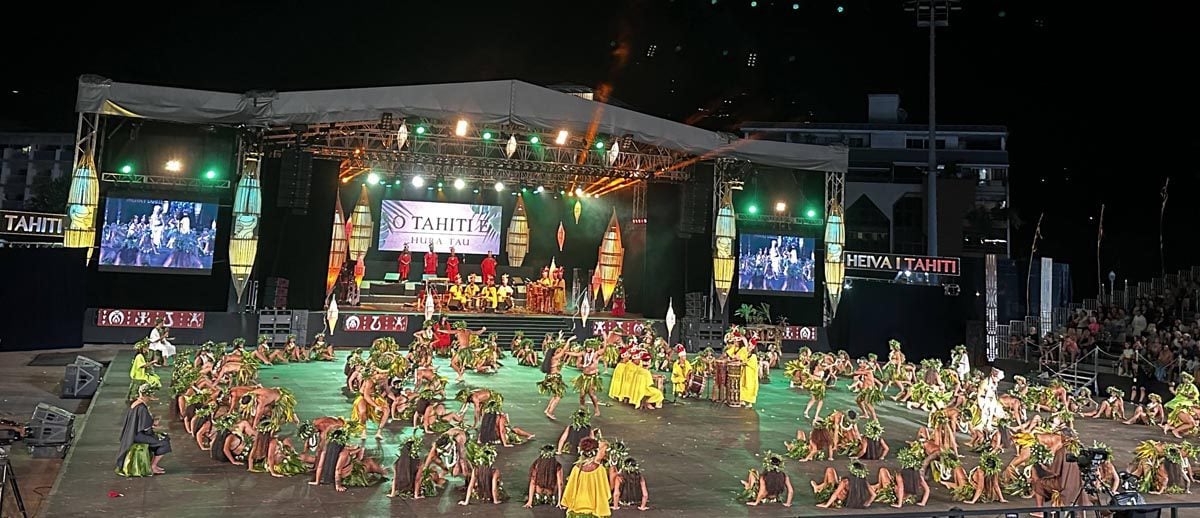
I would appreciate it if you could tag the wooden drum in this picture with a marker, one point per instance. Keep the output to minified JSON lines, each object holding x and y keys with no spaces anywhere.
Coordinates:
{"x":720,"y":376}
{"x":733,"y":380}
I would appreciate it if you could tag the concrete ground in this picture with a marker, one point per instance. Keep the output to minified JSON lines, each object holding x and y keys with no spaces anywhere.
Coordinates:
{"x":693,"y":453}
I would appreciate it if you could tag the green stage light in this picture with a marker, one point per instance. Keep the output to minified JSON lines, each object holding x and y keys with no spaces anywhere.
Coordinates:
{"x":420,"y":130}
{"x":126,"y":169}
{"x":811,"y":213}
{"x":210,"y":174}
{"x":439,"y":184}
{"x":841,"y":9}
{"x":753,"y":209}
{"x":487,"y":135}
{"x":599,"y":144}
{"x":373,"y":178}
{"x":524,"y":189}
{"x":533,"y":139}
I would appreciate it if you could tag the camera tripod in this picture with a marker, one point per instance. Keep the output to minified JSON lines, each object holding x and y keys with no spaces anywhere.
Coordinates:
{"x":9,"y":479}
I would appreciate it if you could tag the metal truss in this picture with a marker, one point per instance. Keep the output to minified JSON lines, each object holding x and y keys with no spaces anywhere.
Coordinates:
{"x":835,"y":192}
{"x":164,"y":181}
{"x":432,"y":147}
{"x":639,"y":203}
{"x":86,"y":131}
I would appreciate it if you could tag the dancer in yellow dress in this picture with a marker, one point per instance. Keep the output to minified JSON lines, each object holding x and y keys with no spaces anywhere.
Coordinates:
{"x":749,"y":383}
{"x":644,"y":393}
{"x":588,"y":490}
{"x":616,"y":388}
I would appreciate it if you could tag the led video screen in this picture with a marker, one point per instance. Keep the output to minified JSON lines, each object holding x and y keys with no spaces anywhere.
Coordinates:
{"x":776,"y":264}
{"x":158,"y":236}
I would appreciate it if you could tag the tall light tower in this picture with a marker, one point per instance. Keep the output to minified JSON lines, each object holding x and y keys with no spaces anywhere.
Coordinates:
{"x":932,"y":14}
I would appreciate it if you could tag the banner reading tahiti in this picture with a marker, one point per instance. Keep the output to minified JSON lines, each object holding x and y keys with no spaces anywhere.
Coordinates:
{"x":470,"y":229}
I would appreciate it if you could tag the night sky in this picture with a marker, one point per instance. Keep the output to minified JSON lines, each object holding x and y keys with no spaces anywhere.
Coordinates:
{"x":1094,"y":114}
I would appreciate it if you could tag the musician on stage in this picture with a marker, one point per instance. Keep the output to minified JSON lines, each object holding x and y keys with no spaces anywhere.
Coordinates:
{"x":470,"y":290}
{"x":488,"y":267}
{"x":504,"y":294}
{"x":404,"y":261}
{"x":452,"y":266}
{"x":680,"y":370}
{"x":431,"y":262}
{"x":560,"y":291}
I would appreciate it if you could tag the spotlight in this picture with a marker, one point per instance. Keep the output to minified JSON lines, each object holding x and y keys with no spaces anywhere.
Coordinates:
{"x":524,"y":189}
{"x":417,"y":181}
{"x":533,"y":139}
{"x":562,"y":192}
{"x":541,"y":189}
{"x":579,"y":191}
{"x":562,"y":137}
{"x":753,"y":209}
{"x":459,"y":184}
{"x":487,"y":135}
{"x":476,"y":191}
{"x":126,"y":169}
{"x":599,"y":144}
{"x":346,"y":180}
{"x":373,"y":178}
{"x":811,"y":213}
{"x":210,"y":174}
{"x":460,"y":129}
{"x":780,"y":207}
{"x":420,"y":130}
{"x":841,"y":9}
{"x":174,"y":166}
{"x":499,"y":186}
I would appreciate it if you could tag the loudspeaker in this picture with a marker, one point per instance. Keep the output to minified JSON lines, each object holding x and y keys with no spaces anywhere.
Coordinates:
{"x":81,"y":378}
{"x":50,"y":426}
{"x":695,"y":209}
{"x":701,"y":335}
{"x":295,"y":180}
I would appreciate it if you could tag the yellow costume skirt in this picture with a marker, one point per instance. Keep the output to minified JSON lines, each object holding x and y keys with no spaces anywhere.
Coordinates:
{"x":617,"y":386}
{"x":749,"y":384}
{"x":372,"y":413}
{"x":587,"y":492}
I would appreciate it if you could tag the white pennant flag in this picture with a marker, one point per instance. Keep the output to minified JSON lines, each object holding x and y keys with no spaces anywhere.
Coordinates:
{"x":585,"y":309}
{"x":670,"y":317}
{"x":331,"y":315}
{"x":612,"y":154}
{"x":428,"y":304}
{"x":401,"y":136}
{"x":511,"y":147}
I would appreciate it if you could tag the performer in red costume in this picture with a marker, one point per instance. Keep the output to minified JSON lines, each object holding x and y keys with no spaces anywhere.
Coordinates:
{"x":431,"y":261}
{"x":441,"y":341}
{"x":489,"y":269}
{"x":405,"y":260}
{"x":452,"y":266}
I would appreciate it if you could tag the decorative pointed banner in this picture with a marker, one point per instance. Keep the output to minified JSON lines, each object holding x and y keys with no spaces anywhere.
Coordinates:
{"x":337,"y":246}
{"x":360,"y":271}
{"x":401,"y":136}
{"x":585,"y":309}
{"x":518,"y":235}
{"x":360,"y":232}
{"x":562,"y":236}
{"x":243,"y":241}
{"x":428,"y":304}
{"x":578,"y":211}
{"x":835,"y":269}
{"x":670,"y":317}
{"x":553,"y":266}
{"x":726,"y":229}
{"x":610,"y":157}
{"x":331,"y":315}
{"x":612,"y":256}
{"x":511,"y":146}
{"x":81,"y":205}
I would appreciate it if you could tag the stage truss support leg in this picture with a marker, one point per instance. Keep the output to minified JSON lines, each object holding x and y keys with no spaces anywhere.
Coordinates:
{"x":835,"y":196}
{"x":87,"y":130}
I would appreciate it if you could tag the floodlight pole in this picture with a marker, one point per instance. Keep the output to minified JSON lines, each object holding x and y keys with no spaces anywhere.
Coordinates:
{"x":932,"y":14}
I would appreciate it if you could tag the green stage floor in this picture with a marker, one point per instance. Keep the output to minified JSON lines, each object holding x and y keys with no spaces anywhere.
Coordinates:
{"x":693,"y":454}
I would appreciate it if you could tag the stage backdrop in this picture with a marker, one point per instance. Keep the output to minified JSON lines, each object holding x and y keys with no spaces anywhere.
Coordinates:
{"x":926,"y":321}
{"x":44,"y":298}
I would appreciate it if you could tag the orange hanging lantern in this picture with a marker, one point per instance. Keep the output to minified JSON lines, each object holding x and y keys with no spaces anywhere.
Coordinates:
{"x":518,"y":235}
{"x":562,"y":236}
{"x":612,"y":256}
{"x":360,"y":234}
{"x":337,"y":247}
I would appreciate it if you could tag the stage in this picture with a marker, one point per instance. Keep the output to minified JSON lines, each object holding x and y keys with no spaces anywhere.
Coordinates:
{"x":692,"y":453}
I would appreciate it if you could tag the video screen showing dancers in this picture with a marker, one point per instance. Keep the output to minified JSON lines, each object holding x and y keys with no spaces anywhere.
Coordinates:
{"x":775,"y":264}
{"x":166,"y":236}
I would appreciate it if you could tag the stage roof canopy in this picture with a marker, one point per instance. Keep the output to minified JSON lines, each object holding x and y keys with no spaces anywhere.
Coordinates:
{"x":483,"y":102}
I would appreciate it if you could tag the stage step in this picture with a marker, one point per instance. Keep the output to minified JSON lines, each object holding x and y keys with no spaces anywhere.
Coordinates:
{"x":535,"y":328}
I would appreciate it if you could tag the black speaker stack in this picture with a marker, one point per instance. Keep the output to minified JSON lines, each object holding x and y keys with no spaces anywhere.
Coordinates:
{"x":81,"y":378}
{"x":695,"y":210}
{"x":295,"y":180}
{"x":51,"y":430}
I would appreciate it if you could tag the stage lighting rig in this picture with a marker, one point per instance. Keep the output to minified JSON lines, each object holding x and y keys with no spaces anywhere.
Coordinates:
{"x":418,"y":181}
{"x":561,"y":139}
